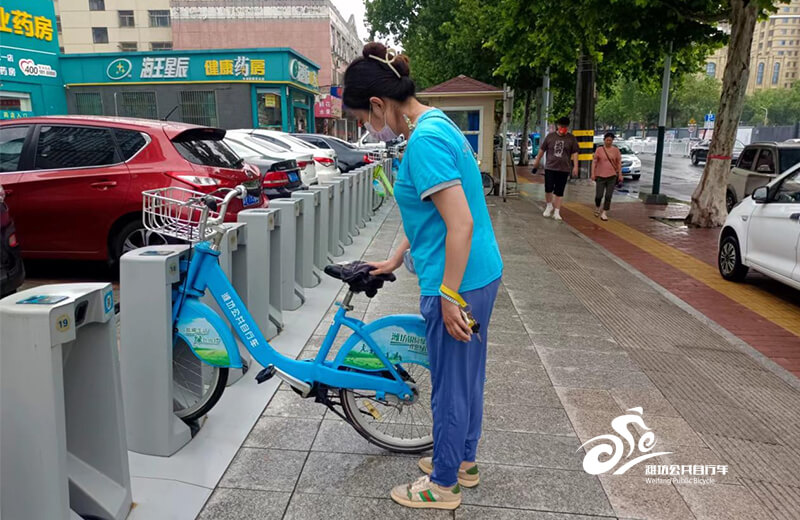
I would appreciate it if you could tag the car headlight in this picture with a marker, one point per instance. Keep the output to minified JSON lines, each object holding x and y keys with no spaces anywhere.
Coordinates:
{"x":637,"y":163}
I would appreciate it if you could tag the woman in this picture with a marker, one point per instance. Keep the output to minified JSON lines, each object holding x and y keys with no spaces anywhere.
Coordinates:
{"x":606,"y":172}
{"x":440,"y":195}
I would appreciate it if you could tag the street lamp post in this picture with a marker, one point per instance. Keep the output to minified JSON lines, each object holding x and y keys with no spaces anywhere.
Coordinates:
{"x":766,"y":115}
{"x":656,"y":197}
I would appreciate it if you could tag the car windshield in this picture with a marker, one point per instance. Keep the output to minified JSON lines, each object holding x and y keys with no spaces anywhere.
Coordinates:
{"x":294,"y":141}
{"x":343,"y":143}
{"x":241,"y":149}
{"x":208,"y":152}
{"x":624,"y":150}
{"x":789,"y":157}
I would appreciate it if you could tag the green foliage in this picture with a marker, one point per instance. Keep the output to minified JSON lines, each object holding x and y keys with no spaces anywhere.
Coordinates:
{"x":782,"y":104}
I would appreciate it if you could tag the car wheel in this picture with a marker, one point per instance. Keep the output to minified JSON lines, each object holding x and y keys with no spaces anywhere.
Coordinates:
{"x":729,"y":260}
{"x":695,"y":160}
{"x":730,"y":200}
{"x":134,"y":235}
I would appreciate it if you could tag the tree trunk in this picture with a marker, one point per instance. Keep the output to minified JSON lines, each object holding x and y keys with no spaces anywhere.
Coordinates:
{"x":708,"y":200}
{"x":523,"y":148}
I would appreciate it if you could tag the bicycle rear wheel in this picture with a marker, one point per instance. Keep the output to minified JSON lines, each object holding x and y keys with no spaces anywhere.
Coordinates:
{"x":401,"y":428}
{"x":488,"y":183}
{"x":196,"y":386}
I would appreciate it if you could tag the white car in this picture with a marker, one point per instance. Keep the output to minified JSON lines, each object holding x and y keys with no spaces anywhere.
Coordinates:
{"x":305,"y":158}
{"x":763,"y":232}
{"x":324,"y":159}
{"x":631,"y":164}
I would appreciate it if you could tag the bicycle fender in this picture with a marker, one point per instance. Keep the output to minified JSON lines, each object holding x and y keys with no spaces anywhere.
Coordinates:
{"x":401,"y":338}
{"x":208,"y":335}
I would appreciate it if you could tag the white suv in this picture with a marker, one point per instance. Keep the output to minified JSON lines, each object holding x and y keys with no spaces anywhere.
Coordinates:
{"x":757,"y":165}
{"x":763,"y":232}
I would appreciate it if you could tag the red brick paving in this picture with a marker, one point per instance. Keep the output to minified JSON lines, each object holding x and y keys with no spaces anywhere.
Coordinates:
{"x":780,"y":345}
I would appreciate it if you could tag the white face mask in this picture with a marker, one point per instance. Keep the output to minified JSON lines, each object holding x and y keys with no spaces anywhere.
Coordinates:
{"x":385,"y":134}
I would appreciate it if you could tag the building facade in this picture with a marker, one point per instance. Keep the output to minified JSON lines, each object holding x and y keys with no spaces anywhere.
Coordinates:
{"x":232,"y":88}
{"x":774,"y":54}
{"x":31,"y":83}
{"x":87,"y":26}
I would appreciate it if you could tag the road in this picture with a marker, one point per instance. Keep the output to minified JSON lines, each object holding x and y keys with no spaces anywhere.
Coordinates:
{"x":678,"y":177}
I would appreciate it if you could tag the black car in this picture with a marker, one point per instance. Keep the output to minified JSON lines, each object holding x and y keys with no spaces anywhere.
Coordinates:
{"x":699,"y":152}
{"x":12,"y":272}
{"x":281,"y":176}
{"x":349,"y":157}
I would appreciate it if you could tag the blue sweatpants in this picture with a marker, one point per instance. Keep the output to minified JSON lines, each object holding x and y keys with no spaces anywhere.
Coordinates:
{"x":458,"y":371}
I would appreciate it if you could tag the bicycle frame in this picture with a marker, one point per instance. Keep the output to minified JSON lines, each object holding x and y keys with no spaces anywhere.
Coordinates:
{"x":380,"y":175}
{"x":204,"y":272}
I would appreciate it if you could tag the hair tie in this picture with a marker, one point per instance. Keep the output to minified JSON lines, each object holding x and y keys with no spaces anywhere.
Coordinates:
{"x":388,"y":61}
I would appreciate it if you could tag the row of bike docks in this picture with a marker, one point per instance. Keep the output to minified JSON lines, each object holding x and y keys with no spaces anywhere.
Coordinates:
{"x":76,"y":393}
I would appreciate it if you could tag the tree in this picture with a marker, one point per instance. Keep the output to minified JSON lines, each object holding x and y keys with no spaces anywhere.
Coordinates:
{"x":708,"y":200}
{"x":782,"y":106}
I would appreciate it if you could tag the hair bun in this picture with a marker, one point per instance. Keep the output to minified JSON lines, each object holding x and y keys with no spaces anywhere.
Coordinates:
{"x":401,"y":62}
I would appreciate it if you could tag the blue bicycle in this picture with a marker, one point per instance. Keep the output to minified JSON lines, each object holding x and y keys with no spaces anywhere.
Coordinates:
{"x":380,"y":376}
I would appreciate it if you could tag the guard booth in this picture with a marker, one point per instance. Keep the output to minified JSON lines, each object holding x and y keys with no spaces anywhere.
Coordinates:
{"x":471,"y":104}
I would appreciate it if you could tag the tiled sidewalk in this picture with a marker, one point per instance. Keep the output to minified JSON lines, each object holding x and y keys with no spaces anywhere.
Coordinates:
{"x":761,"y":312}
{"x":575,"y":341}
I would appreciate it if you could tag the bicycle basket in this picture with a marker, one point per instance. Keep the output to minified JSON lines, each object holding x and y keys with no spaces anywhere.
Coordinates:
{"x":178,"y":213}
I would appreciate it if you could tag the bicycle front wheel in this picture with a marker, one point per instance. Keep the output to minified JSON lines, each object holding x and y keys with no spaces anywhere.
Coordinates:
{"x":401,"y":428}
{"x":488,"y":183}
{"x":196,"y":386}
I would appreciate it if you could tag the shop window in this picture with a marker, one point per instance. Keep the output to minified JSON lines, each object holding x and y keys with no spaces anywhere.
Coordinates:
{"x":161,"y":46}
{"x":100,"y":34}
{"x":199,"y":107}
{"x":89,"y":104}
{"x":469,"y":122}
{"x":128,"y":46}
{"x":159,"y":18}
{"x":11,"y":140}
{"x":138,"y":104}
{"x":269,"y":110}
{"x":97,"y":5}
{"x":129,"y":142}
{"x":62,"y":147}
{"x":126,"y":19}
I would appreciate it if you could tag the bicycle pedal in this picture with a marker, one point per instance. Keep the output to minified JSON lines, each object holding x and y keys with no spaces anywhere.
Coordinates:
{"x":265,"y":374}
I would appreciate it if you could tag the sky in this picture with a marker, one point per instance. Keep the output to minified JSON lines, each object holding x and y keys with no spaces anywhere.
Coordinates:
{"x":356,"y":8}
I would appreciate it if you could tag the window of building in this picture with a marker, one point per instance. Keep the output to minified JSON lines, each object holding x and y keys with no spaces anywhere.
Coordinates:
{"x":138,"y":104}
{"x":62,"y":147}
{"x":760,"y":74}
{"x":783,"y":42}
{"x":58,"y":24}
{"x":161,"y":46}
{"x":12,"y":139}
{"x":89,"y":104}
{"x":100,"y":34}
{"x":469,"y":122}
{"x":126,"y":19}
{"x":711,"y":69}
{"x":61,"y":50}
{"x":97,"y":5}
{"x":199,"y":107}
{"x":128,"y":46}
{"x":159,"y":18}
{"x":780,"y":53}
{"x":760,"y":46}
{"x":776,"y":72}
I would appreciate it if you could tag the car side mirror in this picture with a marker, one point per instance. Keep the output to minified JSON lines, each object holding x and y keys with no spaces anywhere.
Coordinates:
{"x":765,"y":168}
{"x":760,"y":195}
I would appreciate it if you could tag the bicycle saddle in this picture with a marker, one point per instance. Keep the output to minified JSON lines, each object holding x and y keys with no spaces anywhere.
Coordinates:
{"x":356,"y":275}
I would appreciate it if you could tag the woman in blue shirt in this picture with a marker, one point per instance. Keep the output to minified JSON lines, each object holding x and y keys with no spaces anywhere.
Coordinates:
{"x":440,"y":195}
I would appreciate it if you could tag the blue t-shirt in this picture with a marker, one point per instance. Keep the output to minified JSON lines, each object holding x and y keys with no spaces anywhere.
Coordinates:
{"x":439,"y":156}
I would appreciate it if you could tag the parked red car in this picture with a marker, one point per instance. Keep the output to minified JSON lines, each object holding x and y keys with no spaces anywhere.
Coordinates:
{"x":74,"y":183}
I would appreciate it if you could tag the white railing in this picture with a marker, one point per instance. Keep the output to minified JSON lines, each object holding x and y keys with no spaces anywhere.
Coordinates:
{"x":678,"y":147}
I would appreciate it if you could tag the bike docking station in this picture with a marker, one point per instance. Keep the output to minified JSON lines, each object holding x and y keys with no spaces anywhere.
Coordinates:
{"x":255,"y":282}
{"x":229,"y":256}
{"x":356,"y":200}
{"x":63,"y":450}
{"x":323,"y":226}
{"x":146,"y":279}
{"x":292,"y":294}
{"x":367,"y":188}
{"x":339,"y":236}
{"x":306,"y":244}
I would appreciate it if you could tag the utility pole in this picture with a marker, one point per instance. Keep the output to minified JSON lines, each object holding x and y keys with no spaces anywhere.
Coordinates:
{"x":656,"y":197}
{"x":508,"y":109}
{"x":583,"y":127}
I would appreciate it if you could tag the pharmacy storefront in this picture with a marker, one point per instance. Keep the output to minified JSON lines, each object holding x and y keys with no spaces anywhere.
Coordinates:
{"x":30,"y":80}
{"x":238,"y":88}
